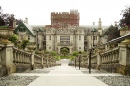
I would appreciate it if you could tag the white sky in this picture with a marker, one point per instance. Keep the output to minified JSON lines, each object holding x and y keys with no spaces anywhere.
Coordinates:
{"x":38,"y":11}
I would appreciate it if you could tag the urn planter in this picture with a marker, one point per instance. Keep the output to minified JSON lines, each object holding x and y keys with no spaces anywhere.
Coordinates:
{"x":5,"y":33}
{"x":31,"y":47}
{"x":124,"y":32}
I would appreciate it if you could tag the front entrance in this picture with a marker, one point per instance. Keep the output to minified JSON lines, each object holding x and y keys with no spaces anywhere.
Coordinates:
{"x":64,"y":50}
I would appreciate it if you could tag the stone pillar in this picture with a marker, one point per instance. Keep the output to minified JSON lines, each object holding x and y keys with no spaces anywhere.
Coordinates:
{"x":6,"y":54}
{"x":32,"y":60}
{"x":42,"y":61}
{"x":98,"y":61}
{"x":124,"y":57}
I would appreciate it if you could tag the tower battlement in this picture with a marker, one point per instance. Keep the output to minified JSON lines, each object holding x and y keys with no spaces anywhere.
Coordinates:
{"x":65,"y":19}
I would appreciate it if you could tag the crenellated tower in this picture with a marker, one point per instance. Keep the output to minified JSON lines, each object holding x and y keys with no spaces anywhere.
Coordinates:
{"x":65,"y":19}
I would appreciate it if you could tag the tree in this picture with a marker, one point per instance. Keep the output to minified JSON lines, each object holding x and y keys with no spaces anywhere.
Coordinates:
{"x":53,"y":53}
{"x":13,"y":38}
{"x":125,"y":21}
{"x":112,"y":33}
{"x":64,"y":51}
{"x":7,"y":19}
{"x":24,"y":44}
{"x":75,"y":53}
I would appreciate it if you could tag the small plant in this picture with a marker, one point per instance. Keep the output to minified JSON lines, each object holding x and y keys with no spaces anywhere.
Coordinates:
{"x":6,"y":27}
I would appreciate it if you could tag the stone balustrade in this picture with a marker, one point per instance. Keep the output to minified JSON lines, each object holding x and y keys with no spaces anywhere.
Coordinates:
{"x":37,"y":59}
{"x":111,"y":56}
{"x":1,"y":56}
{"x":21,"y":56}
{"x":16,"y":60}
{"x":94,"y":61}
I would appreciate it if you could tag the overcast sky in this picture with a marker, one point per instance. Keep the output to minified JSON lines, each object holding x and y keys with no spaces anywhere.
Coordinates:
{"x":38,"y":11}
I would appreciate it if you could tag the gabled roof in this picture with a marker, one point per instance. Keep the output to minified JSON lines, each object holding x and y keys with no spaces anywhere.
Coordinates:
{"x":28,"y":27}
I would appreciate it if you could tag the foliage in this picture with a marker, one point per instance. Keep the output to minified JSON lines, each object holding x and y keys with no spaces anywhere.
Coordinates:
{"x":3,"y":26}
{"x":57,"y":58}
{"x":124,"y":28}
{"x":75,"y":53}
{"x":24,"y":44}
{"x":125,"y":21}
{"x":64,"y":51}
{"x":53,"y":53}
{"x":13,"y":38}
{"x":7,"y":19}
{"x":85,"y":54}
{"x":65,"y":57}
{"x":112,"y":33}
{"x":46,"y":52}
{"x":72,"y":58}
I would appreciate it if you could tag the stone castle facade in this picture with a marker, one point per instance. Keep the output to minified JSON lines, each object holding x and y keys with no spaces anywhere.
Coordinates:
{"x":65,"y":31}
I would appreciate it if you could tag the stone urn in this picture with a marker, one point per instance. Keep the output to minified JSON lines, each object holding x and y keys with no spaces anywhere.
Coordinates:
{"x":39,"y":52}
{"x":101,"y":48}
{"x":124,"y":30}
{"x":31,"y":47}
{"x":5,"y":33}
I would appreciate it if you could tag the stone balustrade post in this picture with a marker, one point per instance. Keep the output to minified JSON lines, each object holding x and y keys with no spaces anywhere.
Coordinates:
{"x":32,"y":60}
{"x":124,"y":57}
{"x":6,"y":53}
{"x":98,"y":61}
{"x":42,"y":61}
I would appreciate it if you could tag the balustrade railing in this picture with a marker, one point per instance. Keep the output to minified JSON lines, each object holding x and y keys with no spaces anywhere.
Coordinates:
{"x":111,"y":56}
{"x":21,"y":56}
{"x":37,"y":59}
{"x":94,"y":59}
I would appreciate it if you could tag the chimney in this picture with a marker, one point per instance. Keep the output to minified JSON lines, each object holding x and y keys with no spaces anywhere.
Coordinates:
{"x":115,"y":23}
{"x":26,"y":20}
{"x":14,"y":24}
{"x":99,"y":24}
{"x":93,"y":24}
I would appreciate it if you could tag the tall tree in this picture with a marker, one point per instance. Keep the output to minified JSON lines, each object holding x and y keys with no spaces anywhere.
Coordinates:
{"x":64,"y":51}
{"x":7,"y":19}
{"x":112,"y":33}
{"x":125,"y":21}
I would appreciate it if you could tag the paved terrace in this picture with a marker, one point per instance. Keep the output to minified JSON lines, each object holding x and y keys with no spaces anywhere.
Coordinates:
{"x":65,"y":75}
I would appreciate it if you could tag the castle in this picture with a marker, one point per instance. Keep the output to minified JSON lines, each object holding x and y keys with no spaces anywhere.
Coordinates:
{"x":64,"y":32}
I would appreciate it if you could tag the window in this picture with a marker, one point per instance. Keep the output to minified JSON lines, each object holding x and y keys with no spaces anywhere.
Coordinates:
{"x":28,"y":37}
{"x":50,"y":37}
{"x":49,"y":47}
{"x":64,"y":39}
{"x":79,"y":47}
{"x":79,"y":37}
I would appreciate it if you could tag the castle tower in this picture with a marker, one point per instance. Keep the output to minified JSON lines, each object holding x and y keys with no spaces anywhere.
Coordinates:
{"x":65,"y":19}
{"x":100,"y":26}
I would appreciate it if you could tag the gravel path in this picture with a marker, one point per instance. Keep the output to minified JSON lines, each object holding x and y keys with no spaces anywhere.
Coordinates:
{"x":115,"y":80}
{"x":26,"y":80}
{"x":111,"y":80}
{"x":16,"y":80}
{"x":21,"y":80}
